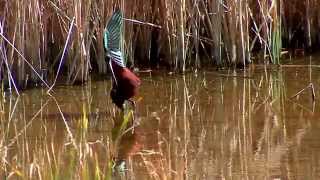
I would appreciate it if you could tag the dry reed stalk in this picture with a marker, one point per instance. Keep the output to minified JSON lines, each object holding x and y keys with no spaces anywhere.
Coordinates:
{"x":130,"y":35}
{"x":4,"y":58}
{"x":170,"y":30}
{"x":311,"y":87}
{"x":181,"y":26}
{"x":24,"y":60}
{"x":195,"y":23}
{"x":100,"y":15}
{"x":214,"y":14}
{"x":79,"y":60}
{"x":63,"y":54}
{"x":138,"y":37}
{"x":231,"y":32}
{"x":34,"y":37}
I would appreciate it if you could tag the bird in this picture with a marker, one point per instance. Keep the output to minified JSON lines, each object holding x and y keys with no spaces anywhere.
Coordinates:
{"x":125,"y":83}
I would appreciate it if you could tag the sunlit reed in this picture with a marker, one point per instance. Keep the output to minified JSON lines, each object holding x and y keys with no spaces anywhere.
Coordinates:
{"x":175,"y":34}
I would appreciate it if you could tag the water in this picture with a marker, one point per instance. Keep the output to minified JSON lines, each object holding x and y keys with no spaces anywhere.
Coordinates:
{"x":209,"y":125}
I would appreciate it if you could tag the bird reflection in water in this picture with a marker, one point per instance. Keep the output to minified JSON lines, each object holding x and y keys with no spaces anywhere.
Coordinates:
{"x":127,"y":137}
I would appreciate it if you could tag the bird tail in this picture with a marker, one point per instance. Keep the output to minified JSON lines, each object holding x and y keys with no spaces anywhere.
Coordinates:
{"x":113,"y":37}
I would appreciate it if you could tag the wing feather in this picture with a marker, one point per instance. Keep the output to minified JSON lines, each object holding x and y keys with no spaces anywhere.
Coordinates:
{"x":112,"y":38}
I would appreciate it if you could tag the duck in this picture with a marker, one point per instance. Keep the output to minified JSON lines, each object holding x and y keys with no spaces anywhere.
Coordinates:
{"x":125,"y":83}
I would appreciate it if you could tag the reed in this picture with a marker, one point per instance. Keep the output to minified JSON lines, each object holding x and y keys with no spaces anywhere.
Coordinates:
{"x":178,"y":35}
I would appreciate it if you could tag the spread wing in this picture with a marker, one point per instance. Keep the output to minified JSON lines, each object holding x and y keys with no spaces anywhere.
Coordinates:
{"x":112,"y":38}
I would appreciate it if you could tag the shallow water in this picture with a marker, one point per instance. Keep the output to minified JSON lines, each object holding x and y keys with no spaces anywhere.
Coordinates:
{"x":209,"y":125}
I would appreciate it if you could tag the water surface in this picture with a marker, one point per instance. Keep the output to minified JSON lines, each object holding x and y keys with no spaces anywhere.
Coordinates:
{"x":208,"y":125}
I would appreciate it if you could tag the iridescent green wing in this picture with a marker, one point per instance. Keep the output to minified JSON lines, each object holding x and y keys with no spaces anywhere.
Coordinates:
{"x":113,"y":33}
{"x":112,"y":38}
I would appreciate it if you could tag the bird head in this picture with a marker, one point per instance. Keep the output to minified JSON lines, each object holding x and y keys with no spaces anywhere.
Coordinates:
{"x":116,"y":98}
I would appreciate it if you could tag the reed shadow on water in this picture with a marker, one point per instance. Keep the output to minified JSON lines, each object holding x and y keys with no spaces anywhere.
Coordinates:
{"x":229,"y":124}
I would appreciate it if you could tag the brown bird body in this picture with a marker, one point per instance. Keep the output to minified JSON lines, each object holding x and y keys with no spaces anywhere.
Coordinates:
{"x":125,"y":84}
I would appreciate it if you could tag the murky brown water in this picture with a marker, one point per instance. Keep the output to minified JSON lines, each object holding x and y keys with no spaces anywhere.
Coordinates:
{"x":209,"y":125}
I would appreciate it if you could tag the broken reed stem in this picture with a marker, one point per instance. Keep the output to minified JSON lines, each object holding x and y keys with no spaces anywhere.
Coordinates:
{"x":295,"y":66}
{"x":142,"y":23}
{"x":290,"y":66}
{"x":313,"y":95}
{"x":5,"y":59}
{"x":65,"y":123}
{"x":63,"y":54}
{"x":13,"y":140}
{"x":25,"y":60}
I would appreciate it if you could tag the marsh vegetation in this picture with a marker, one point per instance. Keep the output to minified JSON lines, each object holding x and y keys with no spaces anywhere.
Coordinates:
{"x":214,"y":120}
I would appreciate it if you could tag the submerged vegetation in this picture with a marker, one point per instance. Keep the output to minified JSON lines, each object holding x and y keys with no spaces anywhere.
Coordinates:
{"x":174,"y":34}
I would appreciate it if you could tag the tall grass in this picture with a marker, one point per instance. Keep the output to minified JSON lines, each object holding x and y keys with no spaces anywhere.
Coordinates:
{"x":176,"y":34}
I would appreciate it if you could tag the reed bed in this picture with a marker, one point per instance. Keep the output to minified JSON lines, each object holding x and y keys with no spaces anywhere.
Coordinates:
{"x":178,"y":35}
{"x":175,"y":34}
